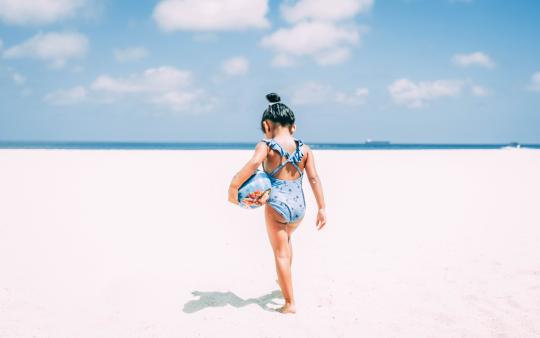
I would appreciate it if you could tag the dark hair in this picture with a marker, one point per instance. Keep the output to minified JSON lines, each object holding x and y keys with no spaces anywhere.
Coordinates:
{"x":277,"y":112}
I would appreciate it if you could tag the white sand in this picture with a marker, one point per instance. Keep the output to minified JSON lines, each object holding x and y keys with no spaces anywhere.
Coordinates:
{"x":430,"y":243}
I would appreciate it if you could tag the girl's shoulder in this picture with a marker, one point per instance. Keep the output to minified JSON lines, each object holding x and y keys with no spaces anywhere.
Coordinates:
{"x":267,"y":141}
{"x":271,"y":140}
{"x":272,"y":144}
{"x":299,"y":153}
{"x":306,"y":149}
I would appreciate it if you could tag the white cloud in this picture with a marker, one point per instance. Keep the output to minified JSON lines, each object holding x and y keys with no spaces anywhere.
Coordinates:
{"x":238,"y":65}
{"x":66,"y":96}
{"x":159,"y":79}
{"x":167,"y":86}
{"x":23,"y":12}
{"x":473,"y":59}
{"x":18,"y":78}
{"x":333,"y":56}
{"x":184,"y":100}
{"x":478,"y":90}
{"x":327,"y":42}
{"x":283,"y":60}
{"x":322,"y":29}
{"x":357,"y":97}
{"x":310,"y":37}
{"x":1,"y":44}
{"x":534,"y":84}
{"x":57,"y":48}
{"x":332,"y":10}
{"x":130,"y":54}
{"x":107,"y":83}
{"x":211,"y":15}
{"x":413,"y":95}
{"x":312,"y":93}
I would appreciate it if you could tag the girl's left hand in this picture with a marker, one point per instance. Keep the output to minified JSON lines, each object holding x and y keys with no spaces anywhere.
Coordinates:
{"x":233,"y":195}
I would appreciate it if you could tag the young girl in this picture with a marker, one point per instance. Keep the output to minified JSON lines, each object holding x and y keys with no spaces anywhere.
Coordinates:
{"x":284,"y":158}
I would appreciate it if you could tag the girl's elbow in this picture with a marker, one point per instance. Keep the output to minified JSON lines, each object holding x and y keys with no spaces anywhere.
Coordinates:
{"x":254,"y":164}
{"x":313,"y":179}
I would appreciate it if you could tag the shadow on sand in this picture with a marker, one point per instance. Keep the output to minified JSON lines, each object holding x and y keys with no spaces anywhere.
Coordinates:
{"x":220,"y":299}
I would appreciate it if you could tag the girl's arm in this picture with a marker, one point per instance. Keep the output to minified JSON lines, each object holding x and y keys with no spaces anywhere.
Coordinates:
{"x":316,"y":187}
{"x":261,"y":151}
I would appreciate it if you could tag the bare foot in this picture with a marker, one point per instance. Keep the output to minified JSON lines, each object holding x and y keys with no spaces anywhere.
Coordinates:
{"x":287,"y":308}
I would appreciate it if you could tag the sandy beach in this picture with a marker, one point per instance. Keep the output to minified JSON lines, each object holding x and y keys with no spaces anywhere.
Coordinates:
{"x":132,"y":243}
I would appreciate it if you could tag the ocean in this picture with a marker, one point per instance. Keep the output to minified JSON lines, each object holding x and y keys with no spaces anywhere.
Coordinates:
{"x":248,"y":145}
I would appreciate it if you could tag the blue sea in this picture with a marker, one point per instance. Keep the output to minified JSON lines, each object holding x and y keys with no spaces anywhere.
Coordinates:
{"x":248,"y":145}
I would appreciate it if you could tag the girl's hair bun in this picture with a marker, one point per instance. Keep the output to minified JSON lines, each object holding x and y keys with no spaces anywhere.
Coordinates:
{"x":273,"y":97}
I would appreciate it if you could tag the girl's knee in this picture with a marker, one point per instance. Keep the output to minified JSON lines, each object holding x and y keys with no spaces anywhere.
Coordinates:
{"x":282,"y":250}
{"x":282,"y":254}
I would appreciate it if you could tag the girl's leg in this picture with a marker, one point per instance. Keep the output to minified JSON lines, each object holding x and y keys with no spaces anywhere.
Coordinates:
{"x":279,"y":239}
{"x":290,"y":248}
{"x":290,"y":229}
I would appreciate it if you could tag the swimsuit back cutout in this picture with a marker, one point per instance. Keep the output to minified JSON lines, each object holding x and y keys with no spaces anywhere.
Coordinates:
{"x":295,"y":158}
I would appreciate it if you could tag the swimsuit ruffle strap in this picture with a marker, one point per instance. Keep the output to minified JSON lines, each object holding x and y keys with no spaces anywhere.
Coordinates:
{"x":295,"y":158}
{"x":298,"y":153}
{"x":276,"y":146}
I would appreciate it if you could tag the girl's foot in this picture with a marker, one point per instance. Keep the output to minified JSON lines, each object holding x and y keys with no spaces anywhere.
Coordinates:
{"x":287,"y":308}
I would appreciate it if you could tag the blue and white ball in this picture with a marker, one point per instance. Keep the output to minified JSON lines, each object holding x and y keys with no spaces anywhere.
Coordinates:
{"x":256,"y":187}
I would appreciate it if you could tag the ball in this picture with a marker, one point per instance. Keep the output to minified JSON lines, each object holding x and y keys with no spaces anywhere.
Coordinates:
{"x":256,"y":187}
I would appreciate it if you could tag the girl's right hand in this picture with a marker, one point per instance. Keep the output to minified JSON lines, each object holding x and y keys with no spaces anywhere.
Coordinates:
{"x":321,"y":219}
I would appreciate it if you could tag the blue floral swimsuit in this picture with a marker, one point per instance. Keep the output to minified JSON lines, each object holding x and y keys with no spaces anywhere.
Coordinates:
{"x":287,"y":196}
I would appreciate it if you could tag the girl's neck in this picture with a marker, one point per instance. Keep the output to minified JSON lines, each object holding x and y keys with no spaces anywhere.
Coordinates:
{"x":282,"y":132}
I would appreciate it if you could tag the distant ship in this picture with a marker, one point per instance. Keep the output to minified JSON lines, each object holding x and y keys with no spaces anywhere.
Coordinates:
{"x":376,"y":142}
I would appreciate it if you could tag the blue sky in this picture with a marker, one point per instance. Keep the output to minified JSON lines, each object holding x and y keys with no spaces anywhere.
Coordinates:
{"x":198,"y":70}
